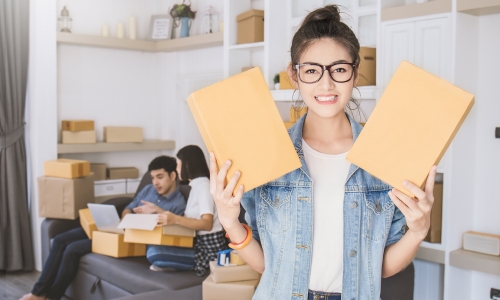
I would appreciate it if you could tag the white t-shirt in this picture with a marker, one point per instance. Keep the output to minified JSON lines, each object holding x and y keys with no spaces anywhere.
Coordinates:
{"x":328,"y":173}
{"x":200,"y":202}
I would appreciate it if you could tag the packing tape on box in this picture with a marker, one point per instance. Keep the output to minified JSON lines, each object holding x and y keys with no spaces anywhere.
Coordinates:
{"x":177,"y":241}
{"x":234,"y":258}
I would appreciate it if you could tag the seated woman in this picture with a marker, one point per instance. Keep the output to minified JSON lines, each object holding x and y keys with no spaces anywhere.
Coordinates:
{"x":200,"y":215}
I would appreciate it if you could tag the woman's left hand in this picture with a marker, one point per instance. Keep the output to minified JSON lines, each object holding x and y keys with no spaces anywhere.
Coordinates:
{"x":166,"y":218}
{"x":417,"y":210}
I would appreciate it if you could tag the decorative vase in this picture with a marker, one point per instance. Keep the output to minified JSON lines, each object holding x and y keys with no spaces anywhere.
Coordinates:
{"x":185,"y":26}
{"x":277,"y":86}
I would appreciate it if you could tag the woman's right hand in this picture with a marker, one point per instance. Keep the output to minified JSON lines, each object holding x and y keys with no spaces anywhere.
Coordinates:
{"x":228,"y":206}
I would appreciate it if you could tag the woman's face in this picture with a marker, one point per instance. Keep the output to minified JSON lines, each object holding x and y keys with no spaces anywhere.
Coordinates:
{"x":179,"y":166}
{"x":325,"y":98}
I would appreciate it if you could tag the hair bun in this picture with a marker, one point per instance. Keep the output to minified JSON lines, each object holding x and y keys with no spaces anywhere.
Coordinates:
{"x":327,"y":13}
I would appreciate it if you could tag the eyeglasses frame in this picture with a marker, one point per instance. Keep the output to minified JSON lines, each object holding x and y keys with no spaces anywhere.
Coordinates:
{"x":323,"y":68}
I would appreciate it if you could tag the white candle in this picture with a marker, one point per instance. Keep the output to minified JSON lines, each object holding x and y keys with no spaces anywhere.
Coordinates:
{"x":132,"y":28}
{"x":120,"y":30}
{"x":104,"y":30}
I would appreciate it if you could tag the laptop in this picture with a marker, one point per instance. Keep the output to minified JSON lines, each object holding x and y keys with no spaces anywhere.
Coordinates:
{"x":105,"y":217}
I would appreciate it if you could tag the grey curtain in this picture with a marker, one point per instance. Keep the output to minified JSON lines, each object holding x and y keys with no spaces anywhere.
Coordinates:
{"x":16,"y":249}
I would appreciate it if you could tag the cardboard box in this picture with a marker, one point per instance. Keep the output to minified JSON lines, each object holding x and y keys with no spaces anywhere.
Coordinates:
{"x":66,"y":168}
{"x":221,"y":274}
{"x":285,"y":82}
{"x":367,"y":66}
{"x":156,"y":237}
{"x":288,"y":124}
{"x":235,"y":259}
{"x":250,"y":26}
{"x":78,"y":137}
{"x":434,"y":234}
{"x":87,"y":222}
{"x":77,"y":125}
{"x":227,"y":291}
{"x":122,"y":134}
{"x":62,"y":198}
{"x":296,"y":114}
{"x":112,"y":244}
{"x":482,"y":242}
{"x":411,"y":127}
{"x":99,"y":171}
{"x":122,"y":173}
{"x":178,"y":230}
{"x":239,"y":120}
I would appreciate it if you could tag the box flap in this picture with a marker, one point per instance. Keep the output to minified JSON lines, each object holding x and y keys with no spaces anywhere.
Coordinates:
{"x":139,"y":221}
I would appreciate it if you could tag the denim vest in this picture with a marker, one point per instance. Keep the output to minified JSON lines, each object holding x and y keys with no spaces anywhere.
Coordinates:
{"x":280,"y":214}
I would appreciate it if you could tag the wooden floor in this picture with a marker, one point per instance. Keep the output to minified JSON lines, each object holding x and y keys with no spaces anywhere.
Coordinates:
{"x":13,"y":285}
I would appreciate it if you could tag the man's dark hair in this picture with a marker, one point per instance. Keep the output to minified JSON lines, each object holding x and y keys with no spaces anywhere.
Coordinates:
{"x":167,"y":163}
{"x":194,"y":164}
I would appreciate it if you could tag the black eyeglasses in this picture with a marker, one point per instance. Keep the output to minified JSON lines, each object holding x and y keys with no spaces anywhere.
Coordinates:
{"x":312,"y":72}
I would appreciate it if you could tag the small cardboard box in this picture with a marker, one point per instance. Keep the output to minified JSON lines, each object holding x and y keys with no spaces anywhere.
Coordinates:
{"x":238,"y":120}
{"x":221,"y":274}
{"x":99,"y":171}
{"x":66,"y":168}
{"x":228,"y":291}
{"x":296,"y":114}
{"x":178,"y":230}
{"x":250,"y":26}
{"x":141,"y":229}
{"x":87,"y":222}
{"x":235,"y":258}
{"x":367,"y":66}
{"x":77,"y":125}
{"x":78,"y":137}
{"x":285,"y":81}
{"x":411,"y":127}
{"x":112,"y":244}
{"x":122,"y":134}
{"x":122,"y":173}
{"x":434,"y":233}
{"x":482,"y":242}
{"x":62,"y":198}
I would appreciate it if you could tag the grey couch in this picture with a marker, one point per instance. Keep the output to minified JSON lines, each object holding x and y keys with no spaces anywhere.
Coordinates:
{"x":102,"y":277}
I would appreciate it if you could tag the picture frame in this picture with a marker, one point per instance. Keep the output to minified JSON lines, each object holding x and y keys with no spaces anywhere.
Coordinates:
{"x":160,"y":27}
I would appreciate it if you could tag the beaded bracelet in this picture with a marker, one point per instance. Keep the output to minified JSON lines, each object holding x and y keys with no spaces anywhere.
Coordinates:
{"x":245,"y":242}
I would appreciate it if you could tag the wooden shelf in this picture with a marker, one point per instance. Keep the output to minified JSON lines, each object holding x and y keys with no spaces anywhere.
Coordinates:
{"x":478,"y":7}
{"x":249,"y":46}
{"x":192,"y":42}
{"x":430,"y":254}
{"x":415,"y":10}
{"x":115,"y":147}
{"x":469,"y":260}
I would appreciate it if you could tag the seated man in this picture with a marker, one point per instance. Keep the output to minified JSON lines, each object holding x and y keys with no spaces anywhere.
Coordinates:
{"x":68,"y":247}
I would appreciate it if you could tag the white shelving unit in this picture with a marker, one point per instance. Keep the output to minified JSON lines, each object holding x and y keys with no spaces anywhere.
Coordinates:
{"x":115,"y":147}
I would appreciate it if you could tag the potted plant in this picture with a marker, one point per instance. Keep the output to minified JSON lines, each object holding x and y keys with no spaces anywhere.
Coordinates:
{"x":276,"y":81}
{"x":183,"y":16}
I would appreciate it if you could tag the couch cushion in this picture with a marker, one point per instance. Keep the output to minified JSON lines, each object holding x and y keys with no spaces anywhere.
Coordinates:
{"x":133,"y":275}
{"x":192,"y":293}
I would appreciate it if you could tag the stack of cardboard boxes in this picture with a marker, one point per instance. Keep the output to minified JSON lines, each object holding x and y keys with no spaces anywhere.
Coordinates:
{"x":229,"y":279}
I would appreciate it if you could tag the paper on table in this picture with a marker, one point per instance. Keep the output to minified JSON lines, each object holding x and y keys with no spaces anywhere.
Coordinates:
{"x":139,"y":221}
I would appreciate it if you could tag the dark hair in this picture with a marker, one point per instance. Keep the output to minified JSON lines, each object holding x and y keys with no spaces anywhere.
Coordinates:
{"x":325,"y":22}
{"x":194,"y":164}
{"x":167,"y":163}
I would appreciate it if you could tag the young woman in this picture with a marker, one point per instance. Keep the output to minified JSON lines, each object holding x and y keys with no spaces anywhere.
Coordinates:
{"x":200,"y":215}
{"x":328,"y":229}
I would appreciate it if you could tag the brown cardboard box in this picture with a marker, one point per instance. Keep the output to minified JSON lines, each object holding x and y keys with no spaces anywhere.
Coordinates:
{"x":66,"y":168}
{"x":295,"y":115}
{"x":434,"y":233}
{"x":250,"y":26}
{"x":78,"y":137}
{"x":222,"y":274}
{"x":112,"y":244}
{"x":227,"y":291}
{"x":367,"y":66}
{"x":235,"y":259}
{"x":239,"y":120}
{"x":122,"y":173}
{"x":178,"y":230}
{"x":411,"y":127}
{"x":87,"y":222}
{"x":62,"y":198}
{"x":122,"y":134}
{"x":156,"y":237}
{"x":99,"y":171}
{"x":77,"y":125}
{"x":285,"y":82}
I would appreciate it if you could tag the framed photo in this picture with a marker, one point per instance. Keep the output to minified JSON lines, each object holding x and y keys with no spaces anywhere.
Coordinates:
{"x":160,"y":27}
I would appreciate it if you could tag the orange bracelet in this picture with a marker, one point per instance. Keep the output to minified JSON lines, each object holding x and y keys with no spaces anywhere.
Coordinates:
{"x":245,"y":242}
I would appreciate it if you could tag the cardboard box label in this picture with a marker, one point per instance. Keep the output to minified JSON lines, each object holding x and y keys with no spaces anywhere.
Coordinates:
{"x":411,"y":127}
{"x":66,"y":168}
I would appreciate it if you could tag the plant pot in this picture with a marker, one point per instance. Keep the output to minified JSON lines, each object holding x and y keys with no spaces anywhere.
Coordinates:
{"x":276,"y":86}
{"x":185,"y":26}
